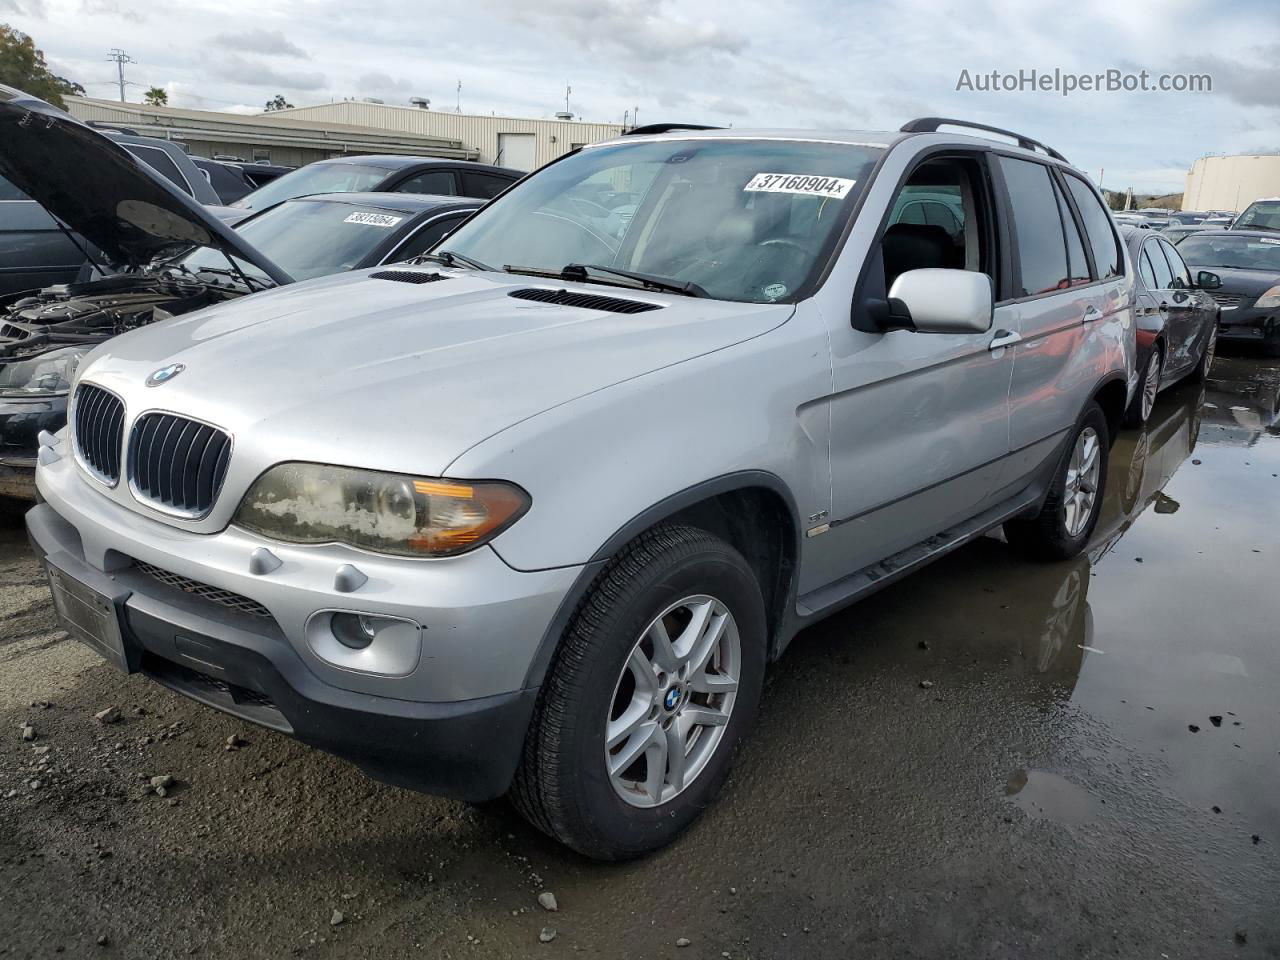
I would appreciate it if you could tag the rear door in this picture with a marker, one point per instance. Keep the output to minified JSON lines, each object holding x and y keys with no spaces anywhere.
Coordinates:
{"x":1071,"y":305}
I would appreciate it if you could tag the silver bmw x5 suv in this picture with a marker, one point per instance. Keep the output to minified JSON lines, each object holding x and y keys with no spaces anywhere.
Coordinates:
{"x":532,"y":514}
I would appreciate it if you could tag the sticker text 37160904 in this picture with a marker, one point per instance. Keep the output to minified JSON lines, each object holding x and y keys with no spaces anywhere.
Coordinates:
{"x":810,"y":186}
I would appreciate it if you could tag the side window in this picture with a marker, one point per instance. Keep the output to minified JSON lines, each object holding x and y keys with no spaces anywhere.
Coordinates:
{"x":939,"y":220}
{"x":159,"y":161}
{"x":1077,"y":262}
{"x":1159,"y":265}
{"x":440,"y":183}
{"x":9,"y":192}
{"x":1097,"y":224}
{"x":1037,"y":226}
{"x":426,"y":238}
{"x":483,"y":185}
{"x":1144,"y":268}
{"x":1181,"y":275}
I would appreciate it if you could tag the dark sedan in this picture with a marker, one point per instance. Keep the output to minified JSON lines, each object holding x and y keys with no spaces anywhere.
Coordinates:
{"x":1176,"y":319}
{"x":1248,"y":261}
{"x":385,"y":174}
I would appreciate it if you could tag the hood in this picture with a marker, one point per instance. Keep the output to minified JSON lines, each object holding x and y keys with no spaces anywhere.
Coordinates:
{"x":1246,"y":283}
{"x":402,"y":376}
{"x":100,"y":191}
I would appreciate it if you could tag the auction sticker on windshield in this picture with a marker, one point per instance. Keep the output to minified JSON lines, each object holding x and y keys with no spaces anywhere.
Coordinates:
{"x":810,"y":186}
{"x":373,"y":219}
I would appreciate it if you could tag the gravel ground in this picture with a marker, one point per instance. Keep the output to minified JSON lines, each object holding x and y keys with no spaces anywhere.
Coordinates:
{"x":993,"y":759}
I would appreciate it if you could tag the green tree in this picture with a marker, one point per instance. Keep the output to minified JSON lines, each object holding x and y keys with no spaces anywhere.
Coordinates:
{"x":278,"y":103}
{"x":156,"y":96}
{"x":23,"y":66}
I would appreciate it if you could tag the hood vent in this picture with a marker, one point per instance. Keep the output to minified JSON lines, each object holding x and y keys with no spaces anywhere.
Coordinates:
{"x":407,"y":276}
{"x":587,"y":301}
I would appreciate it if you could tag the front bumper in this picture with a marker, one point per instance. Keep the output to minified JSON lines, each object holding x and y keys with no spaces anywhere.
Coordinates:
{"x":1247,"y":324}
{"x":453,"y":726}
{"x":21,"y":421}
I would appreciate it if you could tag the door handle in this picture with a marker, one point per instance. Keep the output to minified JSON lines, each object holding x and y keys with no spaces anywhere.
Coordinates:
{"x":1004,"y":338}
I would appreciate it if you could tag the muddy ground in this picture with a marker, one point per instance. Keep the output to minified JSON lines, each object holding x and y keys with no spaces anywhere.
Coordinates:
{"x":1095,"y":771}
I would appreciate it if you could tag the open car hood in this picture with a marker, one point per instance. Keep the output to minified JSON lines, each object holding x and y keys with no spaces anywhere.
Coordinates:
{"x":99,"y":190}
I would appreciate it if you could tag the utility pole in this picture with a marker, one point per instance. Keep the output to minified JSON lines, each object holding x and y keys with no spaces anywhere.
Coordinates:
{"x":459,"y":109}
{"x":120,"y":58}
{"x":567,"y":90}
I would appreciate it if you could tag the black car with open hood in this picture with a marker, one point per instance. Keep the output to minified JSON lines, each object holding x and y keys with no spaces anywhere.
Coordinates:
{"x":161,"y":255}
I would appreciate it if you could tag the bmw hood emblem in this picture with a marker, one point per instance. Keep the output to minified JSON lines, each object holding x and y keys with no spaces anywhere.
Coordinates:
{"x":165,"y":374}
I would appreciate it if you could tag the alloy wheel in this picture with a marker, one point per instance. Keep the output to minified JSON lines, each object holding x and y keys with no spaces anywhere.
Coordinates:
{"x":1150,"y":386}
{"x":1081,"y":491}
{"x":673,"y":701}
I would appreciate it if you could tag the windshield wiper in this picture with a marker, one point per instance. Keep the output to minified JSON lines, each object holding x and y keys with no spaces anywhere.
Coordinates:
{"x":451,"y":259}
{"x":581,"y":272}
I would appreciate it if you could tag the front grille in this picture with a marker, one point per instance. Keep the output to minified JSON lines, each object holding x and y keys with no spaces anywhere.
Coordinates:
{"x":203,"y":590}
{"x":407,"y":276}
{"x":587,"y":301}
{"x":99,"y":430}
{"x":178,"y":464}
{"x":1226,"y":299}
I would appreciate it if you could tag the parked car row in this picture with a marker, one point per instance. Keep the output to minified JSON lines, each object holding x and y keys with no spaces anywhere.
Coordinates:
{"x":531,"y":513}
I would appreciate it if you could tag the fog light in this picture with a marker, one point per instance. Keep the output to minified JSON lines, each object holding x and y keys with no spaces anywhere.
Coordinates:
{"x":365,"y":642}
{"x":356,"y":630}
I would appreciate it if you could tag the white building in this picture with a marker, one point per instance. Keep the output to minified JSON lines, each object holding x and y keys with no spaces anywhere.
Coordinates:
{"x":1231,"y":183}
{"x":523,"y":144}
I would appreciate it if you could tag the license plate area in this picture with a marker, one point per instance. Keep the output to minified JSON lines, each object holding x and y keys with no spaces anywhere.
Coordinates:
{"x":90,"y":615}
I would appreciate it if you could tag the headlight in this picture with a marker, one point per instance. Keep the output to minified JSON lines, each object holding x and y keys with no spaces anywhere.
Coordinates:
{"x":383,"y":512}
{"x":47,"y":375}
{"x":1270,"y":299}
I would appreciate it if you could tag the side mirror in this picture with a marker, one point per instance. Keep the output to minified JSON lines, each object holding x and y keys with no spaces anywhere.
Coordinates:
{"x":1206,"y":280}
{"x":934,"y":300}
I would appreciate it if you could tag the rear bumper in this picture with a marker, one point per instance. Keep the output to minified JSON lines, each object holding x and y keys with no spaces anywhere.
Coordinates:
{"x":242,"y":664}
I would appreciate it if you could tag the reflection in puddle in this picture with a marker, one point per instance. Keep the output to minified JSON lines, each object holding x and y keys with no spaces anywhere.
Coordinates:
{"x":1047,"y":796}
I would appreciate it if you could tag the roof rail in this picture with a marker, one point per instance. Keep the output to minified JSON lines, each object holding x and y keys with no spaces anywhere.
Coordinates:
{"x":666,"y":128}
{"x":931,"y":124}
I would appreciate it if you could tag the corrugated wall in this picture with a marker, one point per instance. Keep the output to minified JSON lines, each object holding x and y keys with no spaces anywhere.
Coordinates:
{"x":554,"y":137}
{"x":1231,"y":183}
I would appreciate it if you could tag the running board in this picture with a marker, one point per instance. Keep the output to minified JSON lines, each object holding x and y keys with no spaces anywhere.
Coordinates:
{"x":840,"y":593}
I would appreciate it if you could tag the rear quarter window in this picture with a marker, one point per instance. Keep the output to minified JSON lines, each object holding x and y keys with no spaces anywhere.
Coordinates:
{"x":159,"y":161}
{"x":1097,"y":224}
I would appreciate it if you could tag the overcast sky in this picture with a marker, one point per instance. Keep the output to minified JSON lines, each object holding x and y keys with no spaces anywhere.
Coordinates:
{"x":808,"y":63}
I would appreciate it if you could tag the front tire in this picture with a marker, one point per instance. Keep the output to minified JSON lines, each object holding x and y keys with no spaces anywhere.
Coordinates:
{"x":657,"y":678}
{"x":1201,"y":373}
{"x":1070,"y":512}
{"x":1144,"y":399}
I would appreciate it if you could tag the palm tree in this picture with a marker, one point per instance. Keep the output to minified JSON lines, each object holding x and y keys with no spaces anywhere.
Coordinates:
{"x":156,"y":97}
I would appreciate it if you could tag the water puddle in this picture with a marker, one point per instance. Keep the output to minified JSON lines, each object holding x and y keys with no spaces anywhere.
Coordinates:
{"x":1047,"y":796}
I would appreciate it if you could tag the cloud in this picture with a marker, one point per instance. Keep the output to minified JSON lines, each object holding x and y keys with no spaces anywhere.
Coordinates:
{"x":267,"y":42}
{"x":378,"y":82}
{"x":254,"y":73}
{"x":111,"y":8}
{"x":24,"y":8}
{"x":1248,"y":84}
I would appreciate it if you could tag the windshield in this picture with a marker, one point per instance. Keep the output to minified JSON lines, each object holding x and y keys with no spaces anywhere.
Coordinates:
{"x":1261,"y":215}
{"x":1224,"y":250}
{"x":307,"y":238}
{"x":744,"y":220}
{"x":316,"y":178}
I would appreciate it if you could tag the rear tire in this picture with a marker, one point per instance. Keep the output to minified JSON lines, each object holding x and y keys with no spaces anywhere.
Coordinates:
{"x":619,"y":668}
{"x":1070,"y":512}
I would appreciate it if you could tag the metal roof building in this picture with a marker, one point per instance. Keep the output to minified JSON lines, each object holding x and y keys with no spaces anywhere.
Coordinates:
{"x":521,"y":143}
{"x":278,"y":137}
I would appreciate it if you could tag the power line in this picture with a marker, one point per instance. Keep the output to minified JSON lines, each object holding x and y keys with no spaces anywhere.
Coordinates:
{"x":120,"y":58}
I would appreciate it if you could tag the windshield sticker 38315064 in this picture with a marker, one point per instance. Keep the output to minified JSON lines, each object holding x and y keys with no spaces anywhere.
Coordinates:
{"x":810,"y":186}
{"x":373,"y":219}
